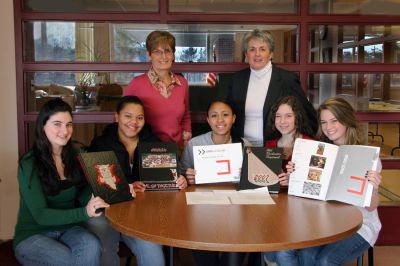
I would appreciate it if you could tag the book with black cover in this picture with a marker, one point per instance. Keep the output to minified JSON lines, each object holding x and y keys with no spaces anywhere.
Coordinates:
{"x":261,"y":167}
{"x":158,"y":165}
{"x":105,"y":176}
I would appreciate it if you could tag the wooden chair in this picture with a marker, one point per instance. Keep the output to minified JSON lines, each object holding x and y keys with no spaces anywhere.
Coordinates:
{"x":108,"y":96}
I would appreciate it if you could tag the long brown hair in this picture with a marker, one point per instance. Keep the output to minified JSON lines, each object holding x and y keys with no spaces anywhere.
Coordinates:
{"x":302,"y":124}
{"x":346,"y":115}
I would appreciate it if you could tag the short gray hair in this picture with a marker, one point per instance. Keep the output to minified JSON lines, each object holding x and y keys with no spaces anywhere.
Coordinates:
{"x":262,"y":35}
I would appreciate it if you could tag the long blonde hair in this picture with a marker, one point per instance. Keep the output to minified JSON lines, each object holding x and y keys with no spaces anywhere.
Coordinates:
{"x":345,"y":114}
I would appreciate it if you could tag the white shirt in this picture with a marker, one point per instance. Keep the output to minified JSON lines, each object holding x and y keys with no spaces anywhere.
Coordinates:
{"x":371,"y":223}
{"x":255,"y":99}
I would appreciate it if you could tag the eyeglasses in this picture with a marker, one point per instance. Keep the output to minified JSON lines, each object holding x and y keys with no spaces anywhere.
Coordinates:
{"x":159,"y":53}
{"x":260,"y":49}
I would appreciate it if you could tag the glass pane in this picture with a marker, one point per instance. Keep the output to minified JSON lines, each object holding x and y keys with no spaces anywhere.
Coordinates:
{"x":354,"y":44}
{"x":385,"y":136}
{"x":237,"y":6}
{"x":85,"y":92}
{"x":90,"y":5}
{"x":109,"y":42}
{"x":389,"y":189}
{"x":365,"y":91}
{"x":361,"y":7}
{"x":100,"y":91}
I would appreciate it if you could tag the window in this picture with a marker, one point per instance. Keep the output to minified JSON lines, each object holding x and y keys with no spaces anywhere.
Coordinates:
{"x":88,"y":51}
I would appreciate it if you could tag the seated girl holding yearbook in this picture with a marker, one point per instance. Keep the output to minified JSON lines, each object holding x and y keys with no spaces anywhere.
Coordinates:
{"x":54,"y":197}
{"x":220,"y":117}
{"x":123,"y":137}
{"x":338,"y":125}
{"x":289,"y":121}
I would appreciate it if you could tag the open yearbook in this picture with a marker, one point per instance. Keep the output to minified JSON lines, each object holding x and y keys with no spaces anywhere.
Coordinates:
{"x":328,"y":172}
{"x":261,"y":167}
{"x":158,"y":165}
{"x":105,"y":176}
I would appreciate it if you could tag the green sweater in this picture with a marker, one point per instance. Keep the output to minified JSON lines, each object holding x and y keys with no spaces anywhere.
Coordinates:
{"x":39,"y":212}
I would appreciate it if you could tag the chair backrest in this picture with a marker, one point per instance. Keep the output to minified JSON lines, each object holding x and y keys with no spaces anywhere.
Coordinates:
{"x":108,"y":96}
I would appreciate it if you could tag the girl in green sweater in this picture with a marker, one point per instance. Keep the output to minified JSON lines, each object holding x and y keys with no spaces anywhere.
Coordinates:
{"x":54,"y":197}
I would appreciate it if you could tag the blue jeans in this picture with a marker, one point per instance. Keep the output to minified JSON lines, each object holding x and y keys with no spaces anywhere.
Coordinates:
{"x":285,"y":257}
{"x":74,"y":246}
{"x":337,"y":253}
{"x":146,"y":253}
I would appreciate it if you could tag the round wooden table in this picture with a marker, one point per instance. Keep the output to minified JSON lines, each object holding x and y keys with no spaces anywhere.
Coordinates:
{"x":293,"y":222}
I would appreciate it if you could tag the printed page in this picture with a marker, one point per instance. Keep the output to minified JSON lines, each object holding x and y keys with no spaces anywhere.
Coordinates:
{"x":218,"y":163}
{"x":252,"y":197}
{"x":218,"y":197}
{"x":206,"y":198}
{"x":349,"y":183}
{"x":259,"y":196}
{"x":314,"y":163}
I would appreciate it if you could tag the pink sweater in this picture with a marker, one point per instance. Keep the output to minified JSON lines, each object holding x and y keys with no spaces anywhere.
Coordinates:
{"x":168,"y":117}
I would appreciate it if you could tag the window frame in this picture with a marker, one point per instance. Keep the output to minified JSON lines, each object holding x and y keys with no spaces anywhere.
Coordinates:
{"x":303,"y":19}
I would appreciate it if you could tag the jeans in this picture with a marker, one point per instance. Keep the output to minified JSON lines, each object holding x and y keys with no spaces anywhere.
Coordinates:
{"x":285,"y":257}
{"x":74,"y":246}
{"x":337,"y":253}
{"x":146,"y":253}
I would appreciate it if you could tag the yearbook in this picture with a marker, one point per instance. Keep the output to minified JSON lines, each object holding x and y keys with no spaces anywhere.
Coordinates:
{"x":261,"y":167}
{"x":105,"y":176}
{"x":218,"y":163}
{"x":328,"y":172}
{"x":158,"y":165}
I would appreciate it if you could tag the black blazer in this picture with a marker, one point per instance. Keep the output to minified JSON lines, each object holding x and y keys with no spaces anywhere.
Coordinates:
{"x":283,"y":83}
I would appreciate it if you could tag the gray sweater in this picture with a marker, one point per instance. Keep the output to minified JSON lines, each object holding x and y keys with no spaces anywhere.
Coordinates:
{"x":201,"y":140}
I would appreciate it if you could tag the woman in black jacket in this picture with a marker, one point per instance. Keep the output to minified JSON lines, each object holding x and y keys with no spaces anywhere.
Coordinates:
{"x":123,"y":137}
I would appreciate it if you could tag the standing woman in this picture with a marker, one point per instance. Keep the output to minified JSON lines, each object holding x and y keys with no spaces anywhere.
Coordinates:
{"x":50,"y":185}
{"x":288,"y":121}
{"x":165,"y":95}
{"x":254,"y":90}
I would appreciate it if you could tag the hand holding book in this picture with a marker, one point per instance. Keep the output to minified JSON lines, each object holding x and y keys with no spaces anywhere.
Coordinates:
{"x":95,"y":204}
{"x":138,"y":186}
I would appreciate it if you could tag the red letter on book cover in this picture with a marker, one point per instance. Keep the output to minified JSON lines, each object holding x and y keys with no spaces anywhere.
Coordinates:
{"x":228,"y":166}
{"x":363,"y":183}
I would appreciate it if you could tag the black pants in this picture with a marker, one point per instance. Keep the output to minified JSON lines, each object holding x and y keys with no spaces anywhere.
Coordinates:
{"x":215,"y":258}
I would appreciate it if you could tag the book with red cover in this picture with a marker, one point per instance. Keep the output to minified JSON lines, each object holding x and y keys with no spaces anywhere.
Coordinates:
{"x":261,"y":167}
{"x":105,"y":176}
{"x":158,"y":165}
